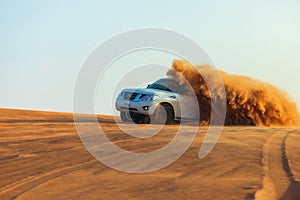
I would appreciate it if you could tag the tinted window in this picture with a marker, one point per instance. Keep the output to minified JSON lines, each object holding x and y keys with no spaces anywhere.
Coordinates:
{"x":168,"y":85}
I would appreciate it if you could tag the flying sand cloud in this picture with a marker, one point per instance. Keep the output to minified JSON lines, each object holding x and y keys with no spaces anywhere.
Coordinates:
{"x":249,"y":101}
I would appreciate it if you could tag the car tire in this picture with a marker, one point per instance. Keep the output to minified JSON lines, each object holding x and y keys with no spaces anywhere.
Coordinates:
{"x":125,"y":116}
{"x":163,"y":114}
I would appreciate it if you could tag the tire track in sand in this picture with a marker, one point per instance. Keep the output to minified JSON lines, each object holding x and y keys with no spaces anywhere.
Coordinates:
{"x":278,"y":177}
{"x":13,"y":190}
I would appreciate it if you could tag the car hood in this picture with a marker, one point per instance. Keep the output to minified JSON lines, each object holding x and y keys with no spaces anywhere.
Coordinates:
{"x":147,"y":91}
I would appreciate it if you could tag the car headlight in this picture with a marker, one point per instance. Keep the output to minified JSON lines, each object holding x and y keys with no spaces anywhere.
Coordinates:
{"x":121,"y":95}
{"x":150,"y":97}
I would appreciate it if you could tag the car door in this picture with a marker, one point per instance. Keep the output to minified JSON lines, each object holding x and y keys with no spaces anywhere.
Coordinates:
{"x":189,"y":107}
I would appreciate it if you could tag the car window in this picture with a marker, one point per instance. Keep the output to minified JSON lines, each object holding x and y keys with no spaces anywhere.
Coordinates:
{"x":169,"y":85}
{"x":159,"y":86}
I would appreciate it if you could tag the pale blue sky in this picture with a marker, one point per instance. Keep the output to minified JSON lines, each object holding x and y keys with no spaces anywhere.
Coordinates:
{"x":44,"y":43}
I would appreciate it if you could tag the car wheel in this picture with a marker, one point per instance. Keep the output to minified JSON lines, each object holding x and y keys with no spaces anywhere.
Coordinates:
{"x":125,"y":117}
{"x":163,"y":114}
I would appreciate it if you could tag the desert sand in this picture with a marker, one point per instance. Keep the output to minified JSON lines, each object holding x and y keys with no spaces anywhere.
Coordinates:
{"x":42,"y":157}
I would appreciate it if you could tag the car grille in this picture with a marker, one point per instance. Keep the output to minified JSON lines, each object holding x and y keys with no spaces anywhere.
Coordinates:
{"x":130,"y":95}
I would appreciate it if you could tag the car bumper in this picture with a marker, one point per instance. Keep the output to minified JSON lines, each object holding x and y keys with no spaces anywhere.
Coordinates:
{"x":141,"y":107}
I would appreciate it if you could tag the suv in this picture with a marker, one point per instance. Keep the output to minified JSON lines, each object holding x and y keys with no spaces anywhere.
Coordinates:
{"x":162,"y":102}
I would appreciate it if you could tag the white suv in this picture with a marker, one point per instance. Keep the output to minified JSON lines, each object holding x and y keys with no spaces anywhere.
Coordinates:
{"x":163,"y":102}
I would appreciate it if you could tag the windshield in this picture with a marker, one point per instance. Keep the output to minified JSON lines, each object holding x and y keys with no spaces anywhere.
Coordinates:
{"x":166,"y":84}
{"x":159,"y":87}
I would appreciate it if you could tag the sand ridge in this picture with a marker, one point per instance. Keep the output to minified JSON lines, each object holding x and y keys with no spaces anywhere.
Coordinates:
{"x":46,"y":160}
{"x":279,"y":182}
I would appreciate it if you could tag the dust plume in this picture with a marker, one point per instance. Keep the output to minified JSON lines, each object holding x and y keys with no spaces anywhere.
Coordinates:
{"x":249,"y":101}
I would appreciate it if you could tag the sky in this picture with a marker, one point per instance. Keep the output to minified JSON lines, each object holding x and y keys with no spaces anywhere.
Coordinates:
{"x":43,"y":44}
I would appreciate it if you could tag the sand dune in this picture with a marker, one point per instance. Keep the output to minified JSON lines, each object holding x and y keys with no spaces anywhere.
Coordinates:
{"x":42,"y":157}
